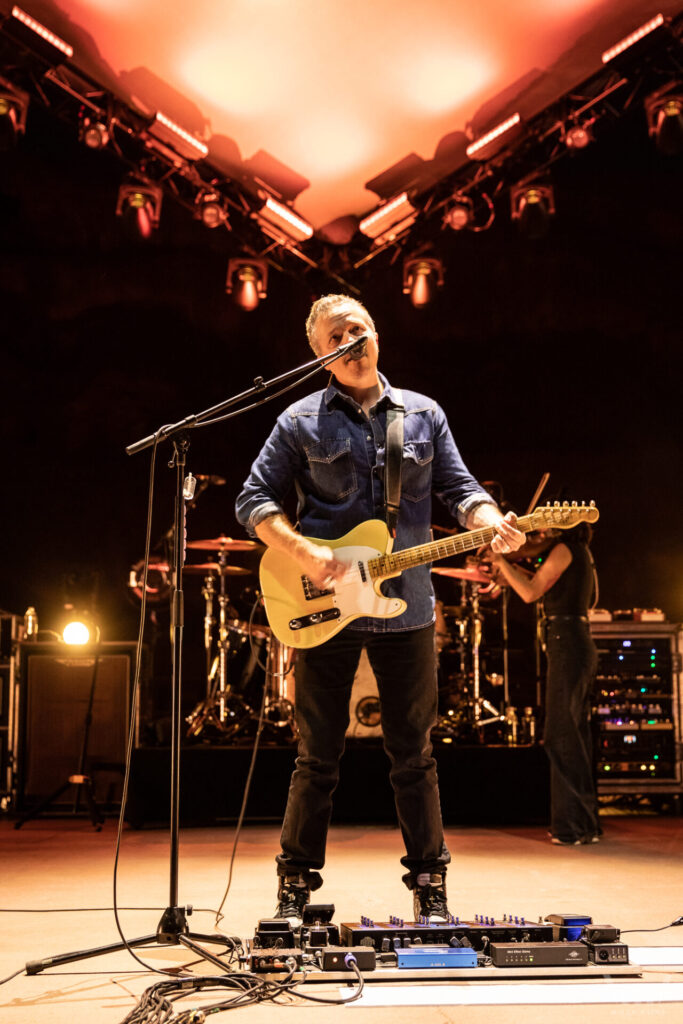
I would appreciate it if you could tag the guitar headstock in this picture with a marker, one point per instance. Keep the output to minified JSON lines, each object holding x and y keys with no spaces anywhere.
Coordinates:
{"x":564,"y":516}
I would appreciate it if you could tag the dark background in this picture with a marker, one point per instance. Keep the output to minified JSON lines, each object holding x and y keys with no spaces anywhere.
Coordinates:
{"x":558,"y":355}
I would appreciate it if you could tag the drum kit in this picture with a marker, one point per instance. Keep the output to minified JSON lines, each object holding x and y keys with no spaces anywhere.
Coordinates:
{"x":249,"y":672}
{"x":464,"y":680}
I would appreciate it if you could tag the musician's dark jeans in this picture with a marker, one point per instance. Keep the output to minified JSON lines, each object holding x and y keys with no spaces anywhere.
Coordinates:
{"x":572,"y":662}
{"x":404,"y":664}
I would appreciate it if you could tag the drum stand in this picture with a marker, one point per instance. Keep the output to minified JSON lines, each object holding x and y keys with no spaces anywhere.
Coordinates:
{"x":479,"y":704}
{"x":213,"y":711}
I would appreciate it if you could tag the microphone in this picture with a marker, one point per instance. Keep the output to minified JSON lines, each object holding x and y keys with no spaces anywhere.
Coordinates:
{"x":218,"y":481}
{"x":358,"y":347}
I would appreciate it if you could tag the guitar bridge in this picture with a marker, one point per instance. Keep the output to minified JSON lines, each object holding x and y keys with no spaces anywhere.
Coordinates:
{"x":314,"y":618}
{"x":311,"y":591}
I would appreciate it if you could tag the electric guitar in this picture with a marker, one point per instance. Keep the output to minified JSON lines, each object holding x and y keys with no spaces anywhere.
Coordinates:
{"x":302,"y":615}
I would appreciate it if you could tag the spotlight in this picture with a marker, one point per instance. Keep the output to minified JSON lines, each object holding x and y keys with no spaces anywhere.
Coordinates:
{"x":13,"y":109}
{"x":664,"y":111}
{"x":139,"y":204}
{"x":80,"y":628}
{"x":459,"y":215}
{"x":94,"y":134}
{"x":494,"y":141}
{"x":578,"y":136}
{"x":422,"y":275}
{"x":247,"y":282}
{"x":386,"y":222}
{"x":281,"y":222}
{"x":532,"y":207}
{"x":210,"y":210}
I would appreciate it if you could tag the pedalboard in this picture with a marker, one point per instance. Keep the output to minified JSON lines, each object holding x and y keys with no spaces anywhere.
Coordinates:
{"x":538,"y":954}
{"x":383,"y":935}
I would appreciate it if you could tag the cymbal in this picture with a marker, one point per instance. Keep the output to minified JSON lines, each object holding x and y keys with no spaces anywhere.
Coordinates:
{"x":224,"y":543}
{"x":227,"y":570}
{"x":471,"y":574}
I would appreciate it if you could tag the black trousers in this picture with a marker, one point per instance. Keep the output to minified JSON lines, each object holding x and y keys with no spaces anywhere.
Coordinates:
{"x":405,"y":667}
{"x":572,"y":662}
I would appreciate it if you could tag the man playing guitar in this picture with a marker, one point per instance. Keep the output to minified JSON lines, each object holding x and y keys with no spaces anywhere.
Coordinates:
{"x":330,"y":446}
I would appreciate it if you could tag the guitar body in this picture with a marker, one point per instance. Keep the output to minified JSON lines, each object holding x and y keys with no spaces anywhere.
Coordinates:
{"x":302,"y":616}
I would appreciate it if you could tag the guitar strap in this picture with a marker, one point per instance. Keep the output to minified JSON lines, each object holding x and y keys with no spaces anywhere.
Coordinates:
{"x":393,"y":458}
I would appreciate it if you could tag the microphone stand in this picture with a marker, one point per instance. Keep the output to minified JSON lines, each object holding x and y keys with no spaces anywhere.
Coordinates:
{"x":173,"y":928}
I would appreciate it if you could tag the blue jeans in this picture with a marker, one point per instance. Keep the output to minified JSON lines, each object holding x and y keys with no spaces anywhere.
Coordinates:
{"x":404,"y":664}
{"x":572,"y":662}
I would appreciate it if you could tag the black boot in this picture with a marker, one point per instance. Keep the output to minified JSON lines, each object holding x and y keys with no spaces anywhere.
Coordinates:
{"x":293,"y":893}
{"x":429,"y":900}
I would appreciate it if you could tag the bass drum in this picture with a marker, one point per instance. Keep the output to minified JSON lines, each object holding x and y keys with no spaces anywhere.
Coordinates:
{"x":246,"y":658}
{"x":364,"y":707}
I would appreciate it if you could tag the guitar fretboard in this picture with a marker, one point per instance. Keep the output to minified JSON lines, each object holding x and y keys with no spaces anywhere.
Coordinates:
{"x":386,"y":565}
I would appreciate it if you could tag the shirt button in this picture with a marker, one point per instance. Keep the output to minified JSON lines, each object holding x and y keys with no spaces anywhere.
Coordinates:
{"x":369,"y":437}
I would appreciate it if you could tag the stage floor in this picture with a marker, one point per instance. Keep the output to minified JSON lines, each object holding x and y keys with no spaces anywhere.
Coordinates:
{"x":633,"y":879}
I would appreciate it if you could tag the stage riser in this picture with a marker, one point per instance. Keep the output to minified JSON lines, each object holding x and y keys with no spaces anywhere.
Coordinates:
{"x":479,"y":785}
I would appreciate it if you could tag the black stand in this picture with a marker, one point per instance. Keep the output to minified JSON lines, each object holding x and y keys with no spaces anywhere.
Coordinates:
{"x":80,"y":780}
{"x":173,"y":929}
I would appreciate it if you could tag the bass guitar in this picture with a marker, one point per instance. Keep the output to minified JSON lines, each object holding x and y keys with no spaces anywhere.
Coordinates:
{"x":302,"y":615}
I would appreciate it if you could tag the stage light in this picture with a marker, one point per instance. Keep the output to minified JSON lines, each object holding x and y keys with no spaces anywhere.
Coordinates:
{"x":281,"y":222}
{"x":247,"y":282}
{"x":664,"y":111}
{"x":386,"y":222}
{"x":578,"y":136}
{"x":139,"y":203}
{"x":182,"y":141}
{"x":532,"y":207}
{"x":495,"y":140}
{"x":13,"y":109}
{"x":25,"y":28}
{"x":460,"y":214}
{"x":210,"y":209}
{"x":94,"y":134}
{"x":75,"y":633}
{"x":630,"y":40}
{"x":422,"y":275}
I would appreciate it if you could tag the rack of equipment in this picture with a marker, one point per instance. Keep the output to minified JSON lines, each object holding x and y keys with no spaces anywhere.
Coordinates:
{"x":637,"y":709}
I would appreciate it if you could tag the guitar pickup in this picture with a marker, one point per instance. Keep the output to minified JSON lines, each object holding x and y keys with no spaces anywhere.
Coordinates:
{"x":314,"y":618}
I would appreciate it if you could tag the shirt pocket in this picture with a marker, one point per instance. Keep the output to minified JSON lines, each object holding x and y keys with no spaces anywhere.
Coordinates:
{"x":416,"y":472}
{"x":332,"y":470}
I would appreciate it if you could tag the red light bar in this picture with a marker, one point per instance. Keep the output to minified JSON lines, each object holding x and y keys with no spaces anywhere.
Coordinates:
{"x":479,"y":144}
{"x":282,"y":217}
{"x":43,"y":32}
{"x":396,"y":214}
{"x":633,"y":38}
{"x":182,"y":140}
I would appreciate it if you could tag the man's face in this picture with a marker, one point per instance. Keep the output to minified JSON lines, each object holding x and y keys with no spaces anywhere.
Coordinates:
{"x":337,"y":328}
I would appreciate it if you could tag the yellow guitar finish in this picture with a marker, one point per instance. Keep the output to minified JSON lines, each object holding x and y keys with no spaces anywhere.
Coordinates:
{"x":302,"y":616}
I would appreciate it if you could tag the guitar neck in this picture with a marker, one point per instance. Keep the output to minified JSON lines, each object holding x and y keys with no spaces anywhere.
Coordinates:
{"x":389,"y":565}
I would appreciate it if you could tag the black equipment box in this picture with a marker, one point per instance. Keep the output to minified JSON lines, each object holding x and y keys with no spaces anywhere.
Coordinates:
{"x":545,"y":954}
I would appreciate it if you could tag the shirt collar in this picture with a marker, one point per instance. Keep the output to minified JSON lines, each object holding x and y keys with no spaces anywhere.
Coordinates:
{"x":388,"y":395}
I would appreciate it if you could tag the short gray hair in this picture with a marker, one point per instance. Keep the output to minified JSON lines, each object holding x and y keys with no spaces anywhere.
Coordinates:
{"x":323,"y":306}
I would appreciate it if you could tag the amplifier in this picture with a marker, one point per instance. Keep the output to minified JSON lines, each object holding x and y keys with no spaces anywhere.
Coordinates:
{"x":544,"y":954}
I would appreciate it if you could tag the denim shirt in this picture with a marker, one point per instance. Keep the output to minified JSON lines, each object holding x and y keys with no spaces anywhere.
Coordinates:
{"x":333,"y":454}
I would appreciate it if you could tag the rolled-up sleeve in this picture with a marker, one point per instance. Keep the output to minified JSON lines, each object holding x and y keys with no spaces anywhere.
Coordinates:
{"x":452,"y":482}
{"x":272,"y":476}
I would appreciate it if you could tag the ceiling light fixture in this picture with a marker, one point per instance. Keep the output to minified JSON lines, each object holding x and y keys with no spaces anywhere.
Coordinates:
{"x":210,"y":209}
{"x":532,"y":206}
{"x":247,"y":282}
{"x":388,"y":221}
{"x":459,"y":215}
{"x":634,"y":37}
{"x":665,"y":120}
{"x":422,"y":275}
{"x":27,"y":28}
{"x":139,"y":203}
{"x":578,"y":136}
{"x":282,"y":223}
{"x":182,"y":141}
{"x":495,"y":140}
{"x":94,"y":134}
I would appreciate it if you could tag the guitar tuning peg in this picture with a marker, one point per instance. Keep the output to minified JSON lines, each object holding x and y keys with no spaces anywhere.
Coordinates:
{"x":574,"y":504}
{"x":557,"y":504}
{"x":565,"y":504}
{"x":592,"y":505}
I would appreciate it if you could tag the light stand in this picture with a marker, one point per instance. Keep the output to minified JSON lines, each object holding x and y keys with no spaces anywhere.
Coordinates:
{"x":173,"y":928}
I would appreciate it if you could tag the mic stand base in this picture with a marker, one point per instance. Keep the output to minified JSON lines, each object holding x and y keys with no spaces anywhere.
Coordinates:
{"x":172,"y":930}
